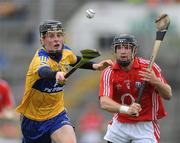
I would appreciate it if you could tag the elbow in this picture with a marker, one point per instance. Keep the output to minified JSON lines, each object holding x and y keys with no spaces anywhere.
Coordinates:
{"x":168,"y":93}
{"x":102,"y":103}
{"x":169,"y":96}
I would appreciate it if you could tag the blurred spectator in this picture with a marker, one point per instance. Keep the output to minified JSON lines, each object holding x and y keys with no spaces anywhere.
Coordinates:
{"x":156,"y":2}
{"x":13,"y":9}
{"x":90,"y":125}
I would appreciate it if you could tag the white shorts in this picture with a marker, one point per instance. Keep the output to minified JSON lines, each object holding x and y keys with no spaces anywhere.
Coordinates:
{"x":142,"y":132}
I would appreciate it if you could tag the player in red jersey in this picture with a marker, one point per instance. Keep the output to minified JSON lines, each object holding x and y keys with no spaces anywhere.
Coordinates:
{"x":6,"y":102}
{"x":119,"y":85}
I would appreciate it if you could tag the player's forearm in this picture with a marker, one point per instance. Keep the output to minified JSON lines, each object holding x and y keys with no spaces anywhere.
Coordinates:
{"x":88,"y":65}
{"x":109,"y":105}
{"x":164,"y":90}
{"x":46,"y":72}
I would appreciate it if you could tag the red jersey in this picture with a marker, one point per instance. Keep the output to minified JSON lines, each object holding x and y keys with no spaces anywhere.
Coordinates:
{"x":122,"y":87}
{"x":5,"y":95}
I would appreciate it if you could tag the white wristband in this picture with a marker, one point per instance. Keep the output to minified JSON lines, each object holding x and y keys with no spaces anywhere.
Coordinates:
{"x":123,"y":109}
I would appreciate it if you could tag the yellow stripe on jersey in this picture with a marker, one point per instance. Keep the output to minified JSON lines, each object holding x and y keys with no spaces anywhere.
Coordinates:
{"x":43,"y":98}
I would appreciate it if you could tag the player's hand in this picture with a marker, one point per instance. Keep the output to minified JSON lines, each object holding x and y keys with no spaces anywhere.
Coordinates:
{"x":134,"y":109}
{"x":9,"y":114}
{"x":103,"y":64}
{"x":60,"y":77}
{"x":148,"y":75}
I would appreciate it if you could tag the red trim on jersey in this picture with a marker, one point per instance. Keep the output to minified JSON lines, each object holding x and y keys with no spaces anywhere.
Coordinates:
{"x":123,"y":88}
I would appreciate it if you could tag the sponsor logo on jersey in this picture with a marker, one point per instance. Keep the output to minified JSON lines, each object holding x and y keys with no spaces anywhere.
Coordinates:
{"x":127,"y":82}
{"x":127,"y":96}
{"x":54,"y":89}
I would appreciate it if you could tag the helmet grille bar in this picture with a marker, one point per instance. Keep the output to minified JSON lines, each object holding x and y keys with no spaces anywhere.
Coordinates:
{"x":50,"y":26}
{"x":125,"y":38}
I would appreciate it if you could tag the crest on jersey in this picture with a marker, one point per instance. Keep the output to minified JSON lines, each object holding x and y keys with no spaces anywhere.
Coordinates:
{"x":138,"y":84}
{"x":127,"y":82}
{"x":125,"y":97}
{"x":118,"y":86}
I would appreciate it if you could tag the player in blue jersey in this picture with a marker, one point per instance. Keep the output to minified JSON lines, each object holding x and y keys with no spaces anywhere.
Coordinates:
{"x":44,"y":118}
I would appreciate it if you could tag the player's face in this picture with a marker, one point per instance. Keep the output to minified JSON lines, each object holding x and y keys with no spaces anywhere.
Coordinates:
{"x":53,"y":41}
{"x":124,"y":52}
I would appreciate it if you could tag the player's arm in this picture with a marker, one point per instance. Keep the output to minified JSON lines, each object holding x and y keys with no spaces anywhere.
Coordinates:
{"x":9,"y":113}
{"x":110,"y":105}
{"x":88,"y":65}
{"x":163,"y":88}
{"x":47,"y":72}
{"x":93,"y":65}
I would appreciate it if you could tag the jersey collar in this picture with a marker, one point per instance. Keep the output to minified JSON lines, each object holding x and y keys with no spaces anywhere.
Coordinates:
{"x":135,"y":65}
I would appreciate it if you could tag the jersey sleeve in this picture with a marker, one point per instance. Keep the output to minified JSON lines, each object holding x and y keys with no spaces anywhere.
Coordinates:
{"x":159,"y":73}
{"x":40,"y":60}
{"x":71,"y":56}
{"x":106,"y":85}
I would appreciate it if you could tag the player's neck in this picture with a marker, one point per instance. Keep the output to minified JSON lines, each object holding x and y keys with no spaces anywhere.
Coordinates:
{"x":128,"y":68}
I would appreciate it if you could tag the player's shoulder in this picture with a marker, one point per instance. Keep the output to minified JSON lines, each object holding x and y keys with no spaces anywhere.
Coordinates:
{"x":67,"y":50}
{"x":107,"y":70}
{"x":144,"y":63}
{"x":40,"y":55}
{"x":41,"y":52}
{"x":66,"y":47}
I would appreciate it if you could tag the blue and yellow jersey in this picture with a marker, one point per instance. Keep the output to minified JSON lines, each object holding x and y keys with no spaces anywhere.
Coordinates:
{"x":43,"y":98}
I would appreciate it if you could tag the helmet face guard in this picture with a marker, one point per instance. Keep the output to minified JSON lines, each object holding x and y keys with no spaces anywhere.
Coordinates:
{"x":125,"y":39}
{"x":50,"y":26}
{"x":130,"y":41}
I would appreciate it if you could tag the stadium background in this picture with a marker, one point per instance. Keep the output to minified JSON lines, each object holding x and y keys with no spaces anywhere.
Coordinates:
{"x":19,"y":38}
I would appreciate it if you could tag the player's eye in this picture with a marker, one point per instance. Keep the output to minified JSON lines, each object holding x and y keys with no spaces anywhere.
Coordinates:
{"x":50,"y":35}
{"x":59,"y":34}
